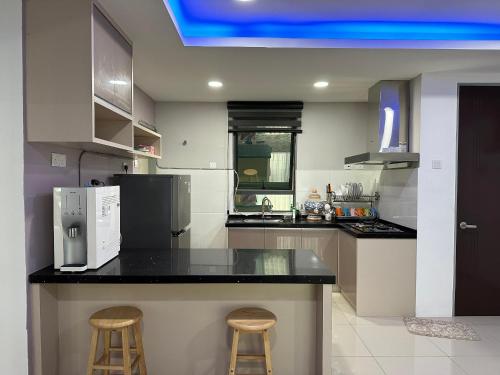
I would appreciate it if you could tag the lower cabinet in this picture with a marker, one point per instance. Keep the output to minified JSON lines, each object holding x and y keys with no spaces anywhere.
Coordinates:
{"x":246,"y":238}
{"x":324,"y":242}
{"x":283,"y":238}
{"x":378,"y":276}
{"x":346,"y":279}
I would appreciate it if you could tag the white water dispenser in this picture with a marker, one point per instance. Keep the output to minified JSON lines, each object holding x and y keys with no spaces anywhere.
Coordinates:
{"x":86,"y":227}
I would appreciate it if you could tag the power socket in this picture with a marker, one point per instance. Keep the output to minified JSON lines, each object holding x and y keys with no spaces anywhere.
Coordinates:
{"x":58,"y":160}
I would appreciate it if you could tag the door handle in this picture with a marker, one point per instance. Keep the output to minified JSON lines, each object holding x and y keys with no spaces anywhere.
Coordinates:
{"x":463,"y":225}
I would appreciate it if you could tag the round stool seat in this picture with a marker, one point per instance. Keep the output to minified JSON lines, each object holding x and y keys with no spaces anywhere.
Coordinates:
{"x":116,"y":317}
{"x":251,"y":319}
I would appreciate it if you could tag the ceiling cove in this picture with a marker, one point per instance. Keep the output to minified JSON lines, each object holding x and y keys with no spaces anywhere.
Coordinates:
{"x":219,"y":23}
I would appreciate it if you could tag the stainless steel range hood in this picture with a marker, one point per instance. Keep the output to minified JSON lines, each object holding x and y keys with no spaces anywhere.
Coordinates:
{"x":388,"y":160}
{"x":388,"y":128}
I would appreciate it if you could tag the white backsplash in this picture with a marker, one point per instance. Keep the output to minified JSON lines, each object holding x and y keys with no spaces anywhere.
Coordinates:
{"x":398,"y":196}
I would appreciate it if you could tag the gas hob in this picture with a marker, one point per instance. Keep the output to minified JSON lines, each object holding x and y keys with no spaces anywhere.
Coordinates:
{"x":374,"y":227}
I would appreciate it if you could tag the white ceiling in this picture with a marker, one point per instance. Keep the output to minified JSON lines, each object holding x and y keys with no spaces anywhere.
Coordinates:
{"x":168,"y":71}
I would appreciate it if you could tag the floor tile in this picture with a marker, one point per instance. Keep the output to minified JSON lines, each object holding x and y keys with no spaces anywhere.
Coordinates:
{"x":355,"y":366}
{"x":338,"y":317}
{"x":479,"y":365}
{"x":465,"y":348}
{"x":492,"y":332}
{"x":479,"y":320}
{"x":393,"y":341}
{"x":419,"y":366}
{"x":346,"y":343}
{"x":376,"y":321}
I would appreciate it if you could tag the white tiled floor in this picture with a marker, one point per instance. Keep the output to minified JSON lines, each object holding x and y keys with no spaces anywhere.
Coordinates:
{"x":378,"y":346}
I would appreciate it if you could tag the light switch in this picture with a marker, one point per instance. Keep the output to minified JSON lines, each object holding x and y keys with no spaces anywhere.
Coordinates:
{"x":58,"y":160}
{"x":437,"y":164}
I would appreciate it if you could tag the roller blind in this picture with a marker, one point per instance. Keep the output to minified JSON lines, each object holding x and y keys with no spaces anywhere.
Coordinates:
{"x":283,"y":117}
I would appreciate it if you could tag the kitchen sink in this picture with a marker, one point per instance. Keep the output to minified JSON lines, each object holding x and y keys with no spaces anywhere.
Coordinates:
{"x":263,"y":220}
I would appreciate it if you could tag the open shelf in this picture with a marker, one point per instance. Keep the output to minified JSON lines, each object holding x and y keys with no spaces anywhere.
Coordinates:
{"x":142,"y":131}
{"x":112,"y":126}
{"x":146,"y":154}
{"x":147,"y":137}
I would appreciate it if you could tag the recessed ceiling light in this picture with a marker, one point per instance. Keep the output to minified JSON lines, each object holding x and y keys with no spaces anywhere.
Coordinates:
{"x":215,"y":84}
{"x":321,"y":84}
{"x":244,"y":1}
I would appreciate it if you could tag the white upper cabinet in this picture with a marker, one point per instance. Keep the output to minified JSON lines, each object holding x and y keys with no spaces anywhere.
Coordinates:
{"x":79,"y":77}
{"x":112,"y":63}
{"x":144,"y":108}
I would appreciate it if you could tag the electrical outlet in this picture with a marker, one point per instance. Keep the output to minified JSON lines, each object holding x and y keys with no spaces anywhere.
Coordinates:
{"x":58,"y":160}
{"x":213,"y":165}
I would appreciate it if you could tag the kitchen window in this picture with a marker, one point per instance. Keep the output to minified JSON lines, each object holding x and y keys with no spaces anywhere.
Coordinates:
{"x":264,"y":143}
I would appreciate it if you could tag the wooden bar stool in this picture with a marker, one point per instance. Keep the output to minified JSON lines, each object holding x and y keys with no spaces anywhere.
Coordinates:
{"x":251,"y":320}
{"x":117,"y":319}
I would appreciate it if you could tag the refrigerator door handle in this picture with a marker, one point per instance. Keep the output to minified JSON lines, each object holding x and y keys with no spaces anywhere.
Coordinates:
{"x":179,"y":233}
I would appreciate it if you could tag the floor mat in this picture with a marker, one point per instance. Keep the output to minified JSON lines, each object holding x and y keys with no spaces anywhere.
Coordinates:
{"x":441,"y":328}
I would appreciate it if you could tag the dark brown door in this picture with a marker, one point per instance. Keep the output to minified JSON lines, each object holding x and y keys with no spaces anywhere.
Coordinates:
{"x":477,"y":289}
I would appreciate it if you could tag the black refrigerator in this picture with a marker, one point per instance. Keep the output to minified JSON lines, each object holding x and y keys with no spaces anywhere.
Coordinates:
{"x":155,"y":211}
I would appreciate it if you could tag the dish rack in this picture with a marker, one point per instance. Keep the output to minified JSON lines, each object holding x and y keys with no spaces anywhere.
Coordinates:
{"x":355,"y":199}
{"x":350,"y":199}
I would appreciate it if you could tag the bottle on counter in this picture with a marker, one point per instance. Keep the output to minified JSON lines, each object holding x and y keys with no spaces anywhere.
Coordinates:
{"x":328,"y":212}
{"x":294,"y":212}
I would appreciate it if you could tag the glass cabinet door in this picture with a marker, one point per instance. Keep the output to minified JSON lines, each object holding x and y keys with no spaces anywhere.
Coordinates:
{"x":112,"y":64}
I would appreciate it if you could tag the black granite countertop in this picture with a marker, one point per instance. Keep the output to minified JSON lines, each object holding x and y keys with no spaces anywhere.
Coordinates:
{"x":191,"y":266}
{"x":238,"y":221}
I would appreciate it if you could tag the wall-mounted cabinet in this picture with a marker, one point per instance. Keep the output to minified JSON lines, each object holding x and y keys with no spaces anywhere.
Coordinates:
{"x":147,"y":143}
{"x":79,"y":77}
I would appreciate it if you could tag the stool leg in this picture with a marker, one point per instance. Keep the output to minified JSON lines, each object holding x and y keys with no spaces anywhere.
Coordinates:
{"x":234,"y":352}
{"x":107,"y":353}
{"x":127,"y":370}
{"x":93,"y":351}
{"x":140,"y":349}
{"x":267,"y":352}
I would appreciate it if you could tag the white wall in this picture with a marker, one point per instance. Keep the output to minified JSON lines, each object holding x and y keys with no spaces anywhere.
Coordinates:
{"x":331,"y":132}
{"x":39,"y":180}
{"x":204,"y":127}
{"x":13,"y":337}
{"x":437,"y":189}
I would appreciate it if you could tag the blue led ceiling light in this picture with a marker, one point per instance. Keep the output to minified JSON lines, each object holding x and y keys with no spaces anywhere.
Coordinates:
{"x":214,"y":29}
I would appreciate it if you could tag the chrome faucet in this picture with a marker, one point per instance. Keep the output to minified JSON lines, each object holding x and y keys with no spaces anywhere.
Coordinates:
{"x":266,"y":202}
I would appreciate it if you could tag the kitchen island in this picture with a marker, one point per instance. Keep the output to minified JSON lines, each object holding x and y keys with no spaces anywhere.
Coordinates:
{"x":185,"y":295}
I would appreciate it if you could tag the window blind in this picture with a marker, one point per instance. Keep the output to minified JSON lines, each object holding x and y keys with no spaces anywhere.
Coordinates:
{"x":283,"y":117}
